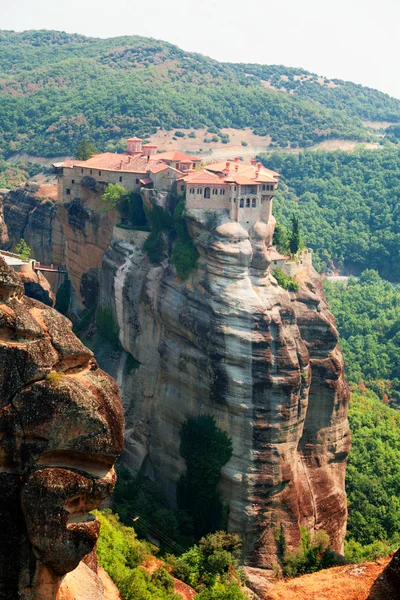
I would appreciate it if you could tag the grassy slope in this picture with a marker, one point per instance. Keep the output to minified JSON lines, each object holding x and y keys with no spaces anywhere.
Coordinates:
{"x":56,"y":88}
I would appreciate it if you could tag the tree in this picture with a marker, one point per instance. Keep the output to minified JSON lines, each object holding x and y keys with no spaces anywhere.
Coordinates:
{"x":295,"y":241}
{"x":113,"y":196}
{"x":85,"y":150}
{"x":23,"y":249}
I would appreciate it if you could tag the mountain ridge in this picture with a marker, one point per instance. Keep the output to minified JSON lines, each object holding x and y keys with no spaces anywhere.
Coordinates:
{"x":56,"y":88}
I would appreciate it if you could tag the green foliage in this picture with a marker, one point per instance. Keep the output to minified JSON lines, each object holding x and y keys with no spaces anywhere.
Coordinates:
{"x":154,"y":245}
{"x":209,"y":562}
{"x":285,"y":281}
{"x":23,"y":249}
{"x":63,"y":296}
{"x":222,"y":591}
{"x":140,"y":497}
{"x":373,"y":472}
{"x":356,"y":553}
{"x":85,"y":150}
{"x":59,"y":89}
{"x":107,"y":327}
{"x":347,"y":204}
{"x":312,"y":555}
{"x":184,"y":254}
{"x":131,"y":209}
{"x":112,"y":196}
{"x":120,"y":553}
{"x":367,"y":313}
{"x":206,"y":449}
{"x":281,"y":238}
{"x":295,"y":240}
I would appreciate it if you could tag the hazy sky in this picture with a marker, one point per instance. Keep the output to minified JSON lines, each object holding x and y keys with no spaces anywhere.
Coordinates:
{"x":357,"y":40}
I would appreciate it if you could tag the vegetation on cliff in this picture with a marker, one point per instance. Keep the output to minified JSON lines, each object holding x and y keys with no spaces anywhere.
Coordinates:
{"x":206,"y":449}
{"x":347,"y":204}
{"x":58,"y":88}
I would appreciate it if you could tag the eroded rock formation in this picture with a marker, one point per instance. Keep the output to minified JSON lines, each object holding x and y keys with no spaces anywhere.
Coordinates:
{"x":264,"y":361}
{"x":74,"y":235}
{"x":61,"y":429}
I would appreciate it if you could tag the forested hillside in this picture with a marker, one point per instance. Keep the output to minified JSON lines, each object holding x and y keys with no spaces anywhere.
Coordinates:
{"x":56,"y":88}
{"x":348,"y":206}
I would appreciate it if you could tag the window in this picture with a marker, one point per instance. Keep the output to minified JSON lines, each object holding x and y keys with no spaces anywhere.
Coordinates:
{"x":198,"y":191}
{"x":222,"y":192}
{"x":192,"y":190}
{"x":81,"y":170}
{"x":68,"y":191}
{"x":207,"y":192}
{"x":182,"y":188}
{"x":91,"y":172}
{"x":137,"y":181}
{"x":72,"y":180}
{"x":241,"y":203}
{"x":120,"y":177}
{"x":247,"y":202}
{"x":253,"y":203}
{"x":215,"y":192}
{"x":177,"y":166}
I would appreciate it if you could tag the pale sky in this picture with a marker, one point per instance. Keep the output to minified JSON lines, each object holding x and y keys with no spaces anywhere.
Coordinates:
{"x":356,"y":40}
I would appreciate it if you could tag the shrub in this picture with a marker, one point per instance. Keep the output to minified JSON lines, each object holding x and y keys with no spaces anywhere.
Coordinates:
{"x":85,"y":150}
{"x":285,"y":281}
{"x":179,"y":134}
{"x":107,"y":327}
{"x":206,"y":449}
{"x":63,"y":296}
{"x":208,"y":562}
{"x":154,"y":245}
{"x":313,"y":554}
{"x":244,"y":143}
{"x":192,"y":134}
{"x":23,"y":249}
{"x":54,"y":378}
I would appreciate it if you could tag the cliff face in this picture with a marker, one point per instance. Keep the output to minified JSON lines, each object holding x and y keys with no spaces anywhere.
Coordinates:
{"x":61,"y":429}
{"x":74,"y":235}
{"x":264,"y":361}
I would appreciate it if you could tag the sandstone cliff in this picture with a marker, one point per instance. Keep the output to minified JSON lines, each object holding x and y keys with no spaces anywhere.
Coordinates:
{"x":74,"y":235}
{"x":61,"y":429}
{"x":264,"y":361}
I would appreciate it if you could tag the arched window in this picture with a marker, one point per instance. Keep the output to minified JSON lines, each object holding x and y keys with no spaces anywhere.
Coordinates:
{"x":192,"y":190}
{"x":241,"y":203}
{"x":222,"y":192}
{"x":247,"y":202}
{"x":207,"y":192}
{"x":253,"y":203}
{"x":215,"y":192}
{"x":198,"y":191}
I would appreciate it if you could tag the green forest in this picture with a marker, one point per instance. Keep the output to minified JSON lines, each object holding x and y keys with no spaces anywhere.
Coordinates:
{"x":367,"y":312}
{"x":56,"y":88}
{"x":347,"y":204}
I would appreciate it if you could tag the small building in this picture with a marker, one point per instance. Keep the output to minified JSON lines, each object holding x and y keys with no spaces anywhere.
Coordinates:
{"x":244,"y":190}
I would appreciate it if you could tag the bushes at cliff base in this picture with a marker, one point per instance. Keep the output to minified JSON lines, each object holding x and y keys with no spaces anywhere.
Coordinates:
{"x":206,"y":449}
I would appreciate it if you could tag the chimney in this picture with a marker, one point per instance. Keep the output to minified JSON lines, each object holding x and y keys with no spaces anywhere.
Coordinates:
{"x":129,"y":159}
{"x":120,"y":164}
{"x":236,"y":168}
{"x":227,"y":165}
{"x":236,"y":159}
{"x":259,"y":165}
{"x":253,"y":162}
{"x":148,"y":157}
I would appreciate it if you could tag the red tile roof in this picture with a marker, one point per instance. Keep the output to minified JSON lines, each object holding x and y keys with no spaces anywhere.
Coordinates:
{"x":242,"y":169}
{"x":203,"y":177}
{"x":178,"y":156}
{"x":109,"y":161}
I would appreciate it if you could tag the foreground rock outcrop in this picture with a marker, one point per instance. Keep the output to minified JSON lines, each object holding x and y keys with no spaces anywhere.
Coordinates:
{"x":262,"y":360}
{"x":61,"y":429}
